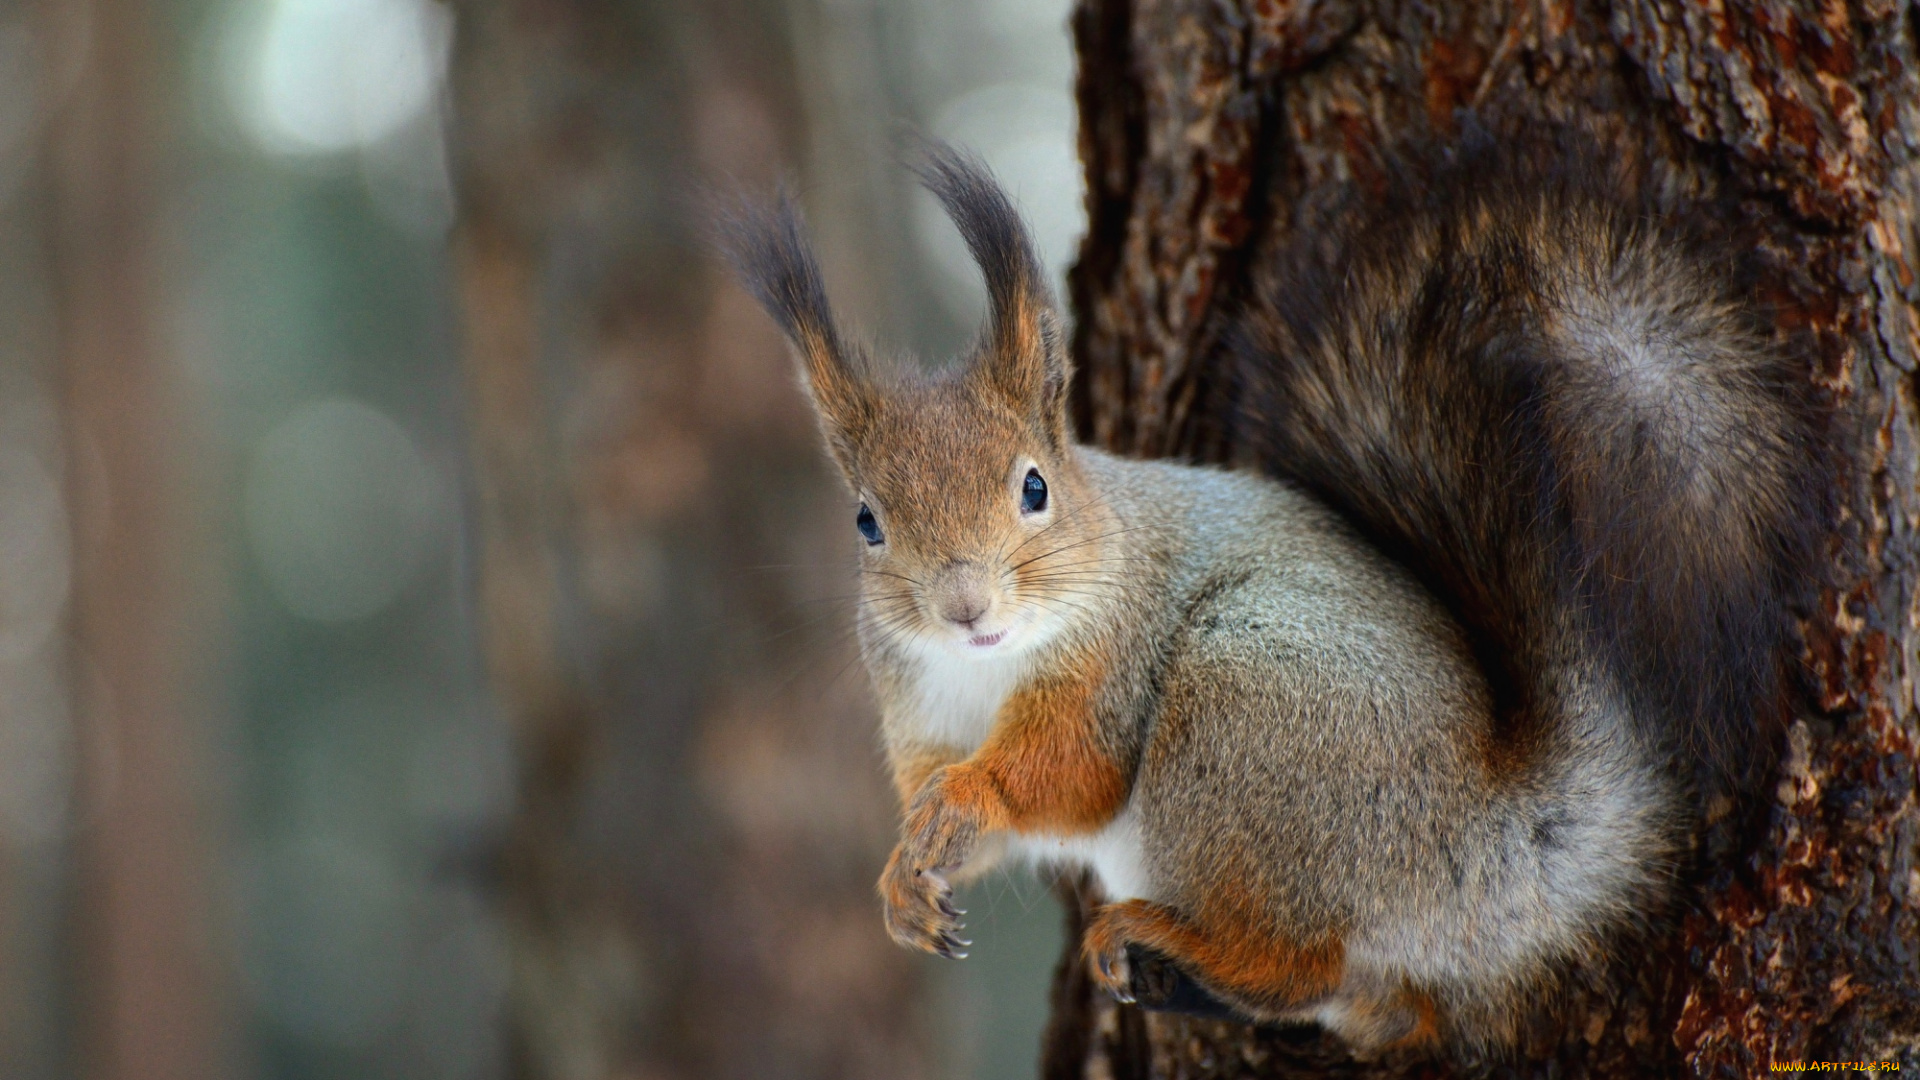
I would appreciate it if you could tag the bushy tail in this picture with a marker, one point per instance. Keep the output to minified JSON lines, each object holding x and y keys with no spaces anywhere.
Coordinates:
{"x":1562,"y":417}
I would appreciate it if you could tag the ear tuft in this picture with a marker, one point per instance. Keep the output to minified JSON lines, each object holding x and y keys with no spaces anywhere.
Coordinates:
{"x":766,"y":243}
{"x":987,"y":221}
{"x":767,"y":246}
{"x":1025,"y":357}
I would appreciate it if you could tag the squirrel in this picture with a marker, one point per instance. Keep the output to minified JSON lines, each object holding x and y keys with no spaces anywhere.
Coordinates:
{"x":1384,"y":728}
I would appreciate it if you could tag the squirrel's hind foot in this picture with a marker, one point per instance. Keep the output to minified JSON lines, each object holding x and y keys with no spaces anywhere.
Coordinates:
{"x":1157,"y":984}
{"x":1146,"y":954}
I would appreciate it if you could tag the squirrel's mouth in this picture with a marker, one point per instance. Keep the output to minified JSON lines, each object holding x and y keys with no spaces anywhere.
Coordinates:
{"x":983,"y":641}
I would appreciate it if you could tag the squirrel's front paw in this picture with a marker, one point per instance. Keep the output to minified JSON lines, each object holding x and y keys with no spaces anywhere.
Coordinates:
{"x":940,"y":834}
{"x":919,"y":907}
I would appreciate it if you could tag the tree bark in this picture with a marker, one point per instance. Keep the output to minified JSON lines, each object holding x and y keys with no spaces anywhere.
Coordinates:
{"x":1206,"y":124}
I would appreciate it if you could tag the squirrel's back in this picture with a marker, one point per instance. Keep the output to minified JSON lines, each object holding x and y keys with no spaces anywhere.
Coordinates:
{"x":1557,"y":412}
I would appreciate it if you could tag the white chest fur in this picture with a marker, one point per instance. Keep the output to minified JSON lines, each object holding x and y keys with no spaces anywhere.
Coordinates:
{"x":1113,"y":854}
{"x":959,"y":698}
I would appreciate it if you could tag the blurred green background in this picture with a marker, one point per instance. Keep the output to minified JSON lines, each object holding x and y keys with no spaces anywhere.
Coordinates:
{"x":424,"y":645}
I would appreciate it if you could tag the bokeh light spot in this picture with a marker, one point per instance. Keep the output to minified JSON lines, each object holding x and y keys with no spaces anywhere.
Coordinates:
{"x":33,"y":550}
{"x":334,"y":940}
{"x":323,"y":76}
{"x":342,"y":510}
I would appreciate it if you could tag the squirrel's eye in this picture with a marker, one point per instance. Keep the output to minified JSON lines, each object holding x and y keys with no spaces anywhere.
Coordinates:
{"x":869,"y":528}
{"x":1033,"y":494}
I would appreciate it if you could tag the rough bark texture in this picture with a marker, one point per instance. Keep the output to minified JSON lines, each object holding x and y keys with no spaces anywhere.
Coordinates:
{"x":1206,"y":123}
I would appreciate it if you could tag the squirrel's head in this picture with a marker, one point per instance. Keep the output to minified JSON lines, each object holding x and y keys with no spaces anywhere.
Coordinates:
{"x":977,"y":528}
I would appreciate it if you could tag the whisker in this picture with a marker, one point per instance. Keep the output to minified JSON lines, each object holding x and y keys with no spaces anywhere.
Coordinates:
{"x":1042,"y":584}
{"x":1051,"y":525}
{"x":1096,"y":502}
{"x":1084,"y":543}
{"x":1073,"y":596}
{"x":902,"y":599}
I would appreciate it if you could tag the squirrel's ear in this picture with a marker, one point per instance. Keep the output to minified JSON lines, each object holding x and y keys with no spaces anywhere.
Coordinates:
{"x":1023,"y":354}
{"x":768,"y":249}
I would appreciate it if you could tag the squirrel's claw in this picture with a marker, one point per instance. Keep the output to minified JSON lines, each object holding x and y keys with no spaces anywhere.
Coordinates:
{"x":919,"y":909}
{"x":952,"y":946}
{"x":1112,"y":973}
{"x":920,"y":913}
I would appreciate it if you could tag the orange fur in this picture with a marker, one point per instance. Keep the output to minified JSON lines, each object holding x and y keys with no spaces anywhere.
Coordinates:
{"x":1042,"y":770}
{"x":1020,"y":341}
{"x":912,"y":770}
{"x":840,"y":396}
{"x":1401,"y":1020}
{"x":1425,"y":1033}
{"x":1044,"y":762}
{"x":1239,"y":957}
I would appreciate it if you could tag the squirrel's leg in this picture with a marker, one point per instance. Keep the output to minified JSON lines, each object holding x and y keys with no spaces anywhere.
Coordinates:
{"x":1260,"y":975}
{"x":1246,"y":966}
{"x":913,"y":768}
{"x":1045,"y":768}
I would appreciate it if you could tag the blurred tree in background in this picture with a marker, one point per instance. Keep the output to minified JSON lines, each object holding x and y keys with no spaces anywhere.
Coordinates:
{"x":144,"y":956}
{"x":697,"y":818}
{"x":424,"y":633}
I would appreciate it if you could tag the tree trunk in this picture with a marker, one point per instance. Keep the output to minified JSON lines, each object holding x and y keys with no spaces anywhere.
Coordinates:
{"x":147,"y":976}
{"x":687,"y":881}
{"x":1206,"y":123}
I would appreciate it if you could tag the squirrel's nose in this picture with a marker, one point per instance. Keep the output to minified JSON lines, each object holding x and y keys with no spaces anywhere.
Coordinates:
{"x":965,"y":610}
{"x":961,"y":594}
